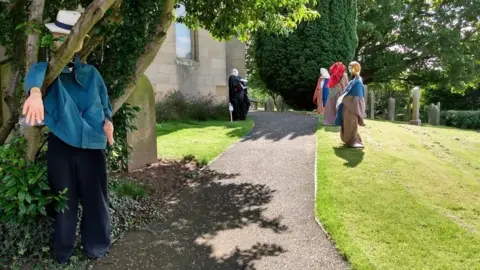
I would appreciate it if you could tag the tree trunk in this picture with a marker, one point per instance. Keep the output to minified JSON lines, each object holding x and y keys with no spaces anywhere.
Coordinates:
{"x":151,"y":50}
{"x":12,"y":98}
{"x":33,"y":135}
{"x":36,"y":15}
{"x":13,"y":94}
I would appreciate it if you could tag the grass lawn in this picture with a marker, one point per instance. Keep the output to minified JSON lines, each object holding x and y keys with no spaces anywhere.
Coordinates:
{"x":410,"y":200}
{"x":205,"y":140}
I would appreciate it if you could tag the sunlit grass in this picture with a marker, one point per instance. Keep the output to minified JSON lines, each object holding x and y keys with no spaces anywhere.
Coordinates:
{"x":204,"y":140}
{"x":410,"y":200}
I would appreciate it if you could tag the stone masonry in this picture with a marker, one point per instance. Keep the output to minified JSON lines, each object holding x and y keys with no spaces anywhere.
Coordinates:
{"x":207,"y":74}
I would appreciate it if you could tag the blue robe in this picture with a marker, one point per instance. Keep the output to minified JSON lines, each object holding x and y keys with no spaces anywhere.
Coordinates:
{"x":325,"y":92}
{"x":354,"y":89}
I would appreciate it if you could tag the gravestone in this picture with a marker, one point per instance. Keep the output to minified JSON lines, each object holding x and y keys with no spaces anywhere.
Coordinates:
{"x":143,"y":141}
{"x":416,"y":107}
{"x":372,"y":105}
{"x":391,"y":109}
{"x":365,"y":95}
{"x":435,"y":115}
{"x":430,"y":110}
{"x":270,"y":105}
{"x":280,"y":104}
{"x":406,"y":117}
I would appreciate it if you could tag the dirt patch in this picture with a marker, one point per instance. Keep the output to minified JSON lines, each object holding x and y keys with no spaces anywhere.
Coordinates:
{"x":163,"y":179}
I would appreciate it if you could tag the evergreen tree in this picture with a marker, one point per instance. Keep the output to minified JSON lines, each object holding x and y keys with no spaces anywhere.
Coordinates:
{"x":290,"y":64}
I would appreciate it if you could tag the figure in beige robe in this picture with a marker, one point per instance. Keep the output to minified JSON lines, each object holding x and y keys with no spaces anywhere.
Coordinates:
{"x":351,"y":108}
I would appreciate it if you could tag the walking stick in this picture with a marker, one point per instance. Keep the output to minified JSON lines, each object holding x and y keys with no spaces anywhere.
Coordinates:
{"x":230,"y":108}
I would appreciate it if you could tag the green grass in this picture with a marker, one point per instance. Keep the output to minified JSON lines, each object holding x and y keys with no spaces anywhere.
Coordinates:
{"x":204,"y":140}
{"x":410,"y":200}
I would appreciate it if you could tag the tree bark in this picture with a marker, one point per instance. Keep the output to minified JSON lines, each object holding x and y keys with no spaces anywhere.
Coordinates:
{"x":12,"y":99}
{"x":151,"y":51}
{"x":36,"y":16}
{"x":12,"y":95}
{"x":33,"y":134}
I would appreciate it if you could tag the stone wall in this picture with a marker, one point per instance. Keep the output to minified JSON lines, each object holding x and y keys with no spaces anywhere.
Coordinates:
{"x":206,"y":75}
{"x":236,"y":57}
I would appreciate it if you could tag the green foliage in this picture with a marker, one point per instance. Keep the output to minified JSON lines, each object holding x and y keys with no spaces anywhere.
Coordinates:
{"x":29,"y":241}
{"x":25,"y":200}
{"x":24,"y":190}
{"x":124,"y":122}
{"x":420,"y":42}
{"x":177,"y":106}
{"x":225,"y":19}
{"x":130,"y":189}
{"x":290,"y":65}
{"x":461,"y":119}
{"x":469,"y":100}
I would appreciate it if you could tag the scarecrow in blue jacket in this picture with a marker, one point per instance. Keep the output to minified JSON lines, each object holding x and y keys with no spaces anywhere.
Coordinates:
{"x":351,"y":108}
{"x":78,"y":113}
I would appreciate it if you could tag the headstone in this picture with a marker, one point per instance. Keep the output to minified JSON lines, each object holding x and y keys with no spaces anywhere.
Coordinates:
{"x":435,"y":115}
{"x":280,"y":104}
{"x":143,"y":141}
{"x":416,"y":107}
{"x":439,"y":112}
{"x":430,"y":111}
{"x":365,"y":94}
{"x":372,"y":105}
{"x":391,"y":109}
{"x":270,"y":105}
{"x":407,"y":111}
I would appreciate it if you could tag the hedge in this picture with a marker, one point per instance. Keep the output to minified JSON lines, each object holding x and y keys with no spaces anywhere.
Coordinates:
{"x":461,"y":119}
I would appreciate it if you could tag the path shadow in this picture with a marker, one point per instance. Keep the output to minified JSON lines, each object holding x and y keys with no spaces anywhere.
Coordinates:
{"x":186,"y":235}
{"x":352,"y":156}
{"x":275,"y":126}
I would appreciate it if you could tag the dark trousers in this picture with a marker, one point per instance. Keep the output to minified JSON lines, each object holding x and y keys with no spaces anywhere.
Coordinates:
{"x":83,"y":173}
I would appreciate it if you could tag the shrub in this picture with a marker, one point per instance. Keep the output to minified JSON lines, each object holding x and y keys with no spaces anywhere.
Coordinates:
{"x":461,"y":119}
{"x":25,"y":223}
{"x":177,"y":106}
{"x":24,"y":199}
{"x":24,"y":190}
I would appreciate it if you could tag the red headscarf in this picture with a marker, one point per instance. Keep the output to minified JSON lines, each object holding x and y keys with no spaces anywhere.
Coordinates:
{"x":336,"y":73}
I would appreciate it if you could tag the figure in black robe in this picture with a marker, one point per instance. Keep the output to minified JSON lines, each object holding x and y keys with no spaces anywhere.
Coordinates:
{"x":238,"y":96}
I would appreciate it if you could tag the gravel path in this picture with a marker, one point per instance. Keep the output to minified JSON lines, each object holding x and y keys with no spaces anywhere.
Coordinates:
{"x":256,"y":211}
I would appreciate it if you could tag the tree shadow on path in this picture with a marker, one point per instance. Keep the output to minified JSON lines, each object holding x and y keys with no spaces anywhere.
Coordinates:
{"x":352,"y":156}
{"x":209,"y":205}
